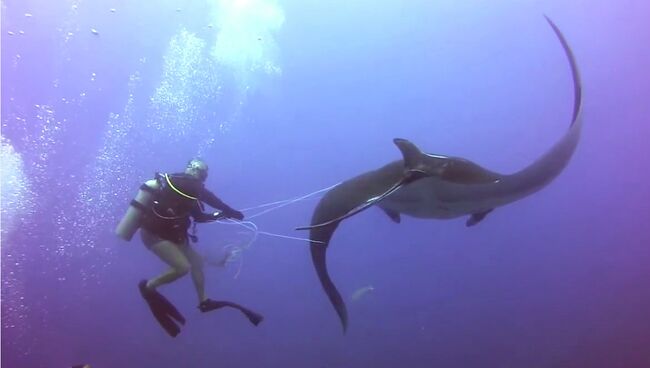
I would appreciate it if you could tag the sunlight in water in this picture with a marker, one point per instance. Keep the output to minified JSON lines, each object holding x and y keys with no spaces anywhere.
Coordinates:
{"x":188,"y":84}
{"x":245,"y":39}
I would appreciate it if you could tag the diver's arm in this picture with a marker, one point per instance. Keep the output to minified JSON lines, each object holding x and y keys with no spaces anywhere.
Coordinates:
{"x":200,"y":216}
{"x":226,"y":211}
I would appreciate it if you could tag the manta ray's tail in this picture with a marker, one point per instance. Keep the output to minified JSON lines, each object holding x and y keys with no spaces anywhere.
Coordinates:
{"x":575,"y":73}
{"x":550,"y":165}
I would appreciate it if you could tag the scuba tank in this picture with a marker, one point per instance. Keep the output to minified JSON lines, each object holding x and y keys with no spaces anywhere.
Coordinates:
{"x":136,"y":212}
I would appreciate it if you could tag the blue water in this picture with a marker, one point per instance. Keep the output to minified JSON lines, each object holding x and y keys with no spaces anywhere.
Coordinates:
{"x":283,"y":98}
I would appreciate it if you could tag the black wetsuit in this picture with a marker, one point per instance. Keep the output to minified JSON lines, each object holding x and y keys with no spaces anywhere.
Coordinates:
{"x":169,"y":217}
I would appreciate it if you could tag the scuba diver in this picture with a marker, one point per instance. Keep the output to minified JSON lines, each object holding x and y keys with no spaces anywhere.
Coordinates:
{"x":163,"y":210}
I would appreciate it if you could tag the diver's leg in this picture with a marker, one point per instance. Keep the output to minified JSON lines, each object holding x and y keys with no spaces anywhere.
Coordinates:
{"x":196,"y":262}
{"x":170,"y":253}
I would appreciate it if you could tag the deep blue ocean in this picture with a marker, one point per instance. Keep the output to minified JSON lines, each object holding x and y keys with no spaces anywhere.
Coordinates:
{"x":283,"y":98}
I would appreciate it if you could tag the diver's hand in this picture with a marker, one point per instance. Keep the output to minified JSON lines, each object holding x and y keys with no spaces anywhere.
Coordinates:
{"x":236,"y":215}
{"x":217,"y":216}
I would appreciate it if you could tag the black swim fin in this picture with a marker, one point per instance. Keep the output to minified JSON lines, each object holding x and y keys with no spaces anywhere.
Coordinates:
{"x":210,"y":305}
{"x":162,"y":309}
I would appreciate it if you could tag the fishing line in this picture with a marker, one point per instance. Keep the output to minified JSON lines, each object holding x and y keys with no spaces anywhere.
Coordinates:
{"x":290,"y":199}
{"x":235,"y":251}
{"x":283,"y":203}
{"x":249,"y":225}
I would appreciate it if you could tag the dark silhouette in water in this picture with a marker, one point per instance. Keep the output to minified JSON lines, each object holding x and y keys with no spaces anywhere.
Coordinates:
{"x":164,"y":210}
{"x":435,"y":186}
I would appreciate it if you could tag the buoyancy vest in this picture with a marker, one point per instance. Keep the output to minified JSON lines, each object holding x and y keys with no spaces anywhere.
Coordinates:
{"x":173,"y":202}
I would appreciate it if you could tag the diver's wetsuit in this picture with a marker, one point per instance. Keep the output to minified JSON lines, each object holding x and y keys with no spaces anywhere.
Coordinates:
{"x":178,"y":198}
{"x":169,"y":217}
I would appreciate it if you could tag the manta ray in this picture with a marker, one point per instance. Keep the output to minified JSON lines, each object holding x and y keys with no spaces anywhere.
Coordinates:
{"x":432,"y":186}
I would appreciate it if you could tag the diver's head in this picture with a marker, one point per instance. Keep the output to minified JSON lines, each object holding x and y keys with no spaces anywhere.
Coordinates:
{"x":197,"y":168}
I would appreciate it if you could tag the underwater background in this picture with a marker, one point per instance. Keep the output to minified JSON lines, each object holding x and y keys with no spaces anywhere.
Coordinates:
{"x":283,"y":98}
